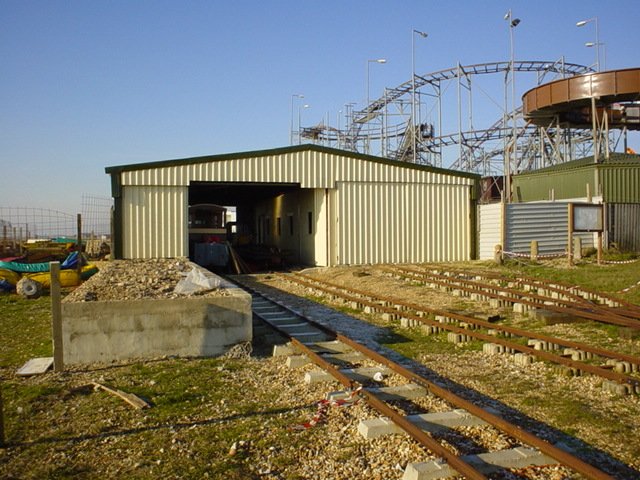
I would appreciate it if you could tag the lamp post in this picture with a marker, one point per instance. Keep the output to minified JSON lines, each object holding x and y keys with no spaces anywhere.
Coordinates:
{"x":300,"y":107}
{"x":413,"y":88}
{"x":597,"y":44}
{"x":604,"y":52}
{"x":377,"y":60}
{"x":295,"y":95}
{"x":513,"y":23}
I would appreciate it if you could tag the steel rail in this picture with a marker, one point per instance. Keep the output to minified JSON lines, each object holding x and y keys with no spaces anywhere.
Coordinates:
{"x":563,"y":457}
{"x":599,"y":371}
{"x":545,"y":447}
{"x":556,"y":286}
{"x":602,"y":317}
{"x":410,"y":428}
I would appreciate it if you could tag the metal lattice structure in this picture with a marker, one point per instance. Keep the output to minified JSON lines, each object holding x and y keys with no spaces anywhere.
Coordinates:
{"x":446,"y":133}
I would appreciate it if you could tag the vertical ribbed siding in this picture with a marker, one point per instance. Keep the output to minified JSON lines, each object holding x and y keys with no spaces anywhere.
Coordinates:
{"x":155,"y":219}
{"x":310,"y":169}
{"x":384,"y":212}
{"x":623,"y":226}
{"x":620,"y":184}
{"x":400,"y":222}
{"x":490,"y":224}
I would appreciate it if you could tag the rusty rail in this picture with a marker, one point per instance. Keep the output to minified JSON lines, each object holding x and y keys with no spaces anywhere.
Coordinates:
{"x":415,"y":432}
{"x":358,"y":296}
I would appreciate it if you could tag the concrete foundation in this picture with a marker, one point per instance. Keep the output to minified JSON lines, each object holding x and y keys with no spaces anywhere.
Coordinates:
{"x":199,"y":326}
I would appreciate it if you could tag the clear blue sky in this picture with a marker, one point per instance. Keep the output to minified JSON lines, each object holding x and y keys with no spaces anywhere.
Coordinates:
{"x":88,"y":84}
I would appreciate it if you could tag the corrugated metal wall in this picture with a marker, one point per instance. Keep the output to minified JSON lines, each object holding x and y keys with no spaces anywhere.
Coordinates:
{"x":545,"y":222}
{"x":311,"y":169}
{"x":621,"y":184}
{"x":400,"y":222}
{"x":410,"y":214}
{"x":623,"y":225}
{"x":489,"y":229}
{"x":155,"y":222}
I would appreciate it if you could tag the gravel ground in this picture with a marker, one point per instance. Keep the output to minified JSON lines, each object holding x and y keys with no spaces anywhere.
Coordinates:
{"x":67,"y":435}
{"x":537,"y":396}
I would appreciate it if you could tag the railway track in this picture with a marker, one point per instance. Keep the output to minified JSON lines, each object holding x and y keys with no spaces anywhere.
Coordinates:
{"x":617,"y":369}
{"x":552,"y":297}
{"x":337,"y":354}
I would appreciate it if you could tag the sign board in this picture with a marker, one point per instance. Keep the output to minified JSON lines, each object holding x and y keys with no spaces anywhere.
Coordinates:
{"x":587,"y":218}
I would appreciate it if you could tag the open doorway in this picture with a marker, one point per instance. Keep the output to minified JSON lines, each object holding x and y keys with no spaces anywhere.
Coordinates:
{"x":246,"y":227}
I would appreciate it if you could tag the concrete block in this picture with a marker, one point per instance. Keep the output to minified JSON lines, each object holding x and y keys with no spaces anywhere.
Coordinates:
{"x":202,"y":326}
{"x":496,"y":303}
{"x":388,"y":317}
{"x":523,"y":359}
{"x":402,"y":392}
{"x":297,"y":361}
{"x":364,"y":374}
{"x":429,"y":422}
{"x":283,"y":350}
{"x":457,"y":337}
{"x":318,"y":376}
{"x":520,"y":308}
{"x":492,"y":348}
{"x":486,"y":463}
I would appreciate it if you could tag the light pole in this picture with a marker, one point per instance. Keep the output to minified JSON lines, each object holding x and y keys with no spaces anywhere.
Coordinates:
{"x":300,"y":107}
{"x":513,"y":23}
{"x":377,"y":60}
{"x":582,"y":23}
{"x":604,"y":52}
{"x":295,"y":95}
{"x":413,"y":88}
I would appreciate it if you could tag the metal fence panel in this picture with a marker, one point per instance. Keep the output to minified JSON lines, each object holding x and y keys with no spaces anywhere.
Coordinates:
{"x":545,"y":222}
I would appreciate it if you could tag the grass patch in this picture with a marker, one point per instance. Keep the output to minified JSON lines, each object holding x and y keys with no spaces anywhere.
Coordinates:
{"x":25,"y":329}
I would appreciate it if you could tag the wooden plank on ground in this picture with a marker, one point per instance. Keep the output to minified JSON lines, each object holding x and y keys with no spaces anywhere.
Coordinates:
{"x":130,"y":398}
{"x":35,"y":366}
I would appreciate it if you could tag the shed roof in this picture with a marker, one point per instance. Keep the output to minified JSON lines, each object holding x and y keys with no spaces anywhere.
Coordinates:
{"x":615,"y":159}
{"x":283,"y":150}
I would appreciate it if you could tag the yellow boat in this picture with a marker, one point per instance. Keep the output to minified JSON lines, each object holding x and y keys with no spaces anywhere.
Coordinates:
{"x":10,"y":276}
{"x":68,"y":277}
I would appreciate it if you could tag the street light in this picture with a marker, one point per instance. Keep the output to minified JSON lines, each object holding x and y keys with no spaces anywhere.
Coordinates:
{"x":377,"y":60}
{"x":582,"y":23}
{"x":295,"y":95}
{"x":604,"y":52}
{"x":413,"y":87}
{"x":513,"y":23}
{"x":300,"y":107}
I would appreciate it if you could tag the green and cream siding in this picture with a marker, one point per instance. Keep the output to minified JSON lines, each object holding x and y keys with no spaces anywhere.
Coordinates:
{"x":363,"y":209}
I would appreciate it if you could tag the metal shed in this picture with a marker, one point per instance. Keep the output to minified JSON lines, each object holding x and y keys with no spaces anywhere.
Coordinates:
{"x":322,"y":205}
{"x":613,"y":181}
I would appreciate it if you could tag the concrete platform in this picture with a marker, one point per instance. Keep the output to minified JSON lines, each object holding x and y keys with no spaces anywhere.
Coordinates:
{"x":199,"y":326}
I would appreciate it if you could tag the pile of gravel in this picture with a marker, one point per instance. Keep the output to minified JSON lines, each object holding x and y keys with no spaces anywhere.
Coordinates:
{"x":135,"y":280}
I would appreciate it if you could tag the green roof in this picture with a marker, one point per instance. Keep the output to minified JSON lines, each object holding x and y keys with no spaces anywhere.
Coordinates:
{"x":621,"y":159}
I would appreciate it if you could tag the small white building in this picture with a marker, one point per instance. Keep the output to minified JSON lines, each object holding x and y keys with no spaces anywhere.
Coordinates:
{"x":324,"y":206}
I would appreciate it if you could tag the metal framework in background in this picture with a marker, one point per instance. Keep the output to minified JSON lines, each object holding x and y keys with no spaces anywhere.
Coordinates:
{"x":19,"y":224}
{"x":449,"y":135}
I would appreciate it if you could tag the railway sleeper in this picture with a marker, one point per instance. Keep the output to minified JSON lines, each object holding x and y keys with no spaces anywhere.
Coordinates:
{"x":542,"y":345}
{"x":427,"y":422}
{"x":361,"y":375}
{"x":622,"y":366}
{"x":616,"y":388}
{"x":487,"y":463}
{"x":453,"y":337}
{"x":409,"y":391}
